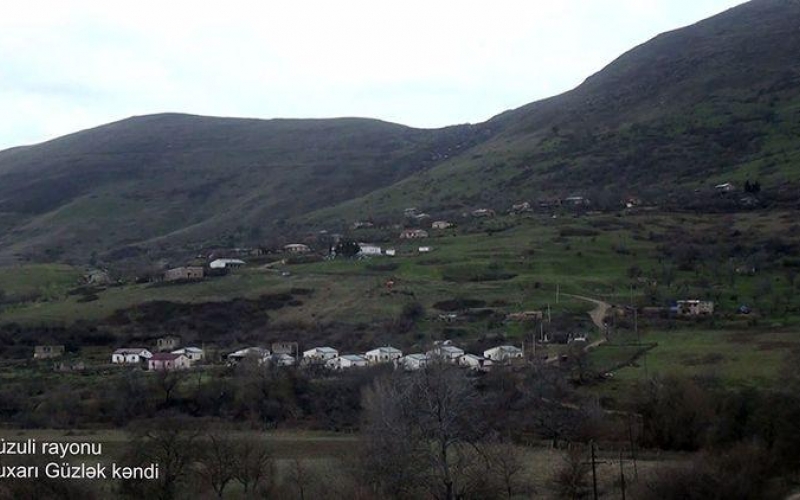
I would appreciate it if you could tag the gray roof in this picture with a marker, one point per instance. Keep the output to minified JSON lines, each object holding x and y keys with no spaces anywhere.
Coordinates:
{"x":130,"y":350}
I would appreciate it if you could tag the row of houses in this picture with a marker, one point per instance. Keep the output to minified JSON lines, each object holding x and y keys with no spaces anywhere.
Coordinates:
{"x":286,"y":354}
{"x":178,"y":359}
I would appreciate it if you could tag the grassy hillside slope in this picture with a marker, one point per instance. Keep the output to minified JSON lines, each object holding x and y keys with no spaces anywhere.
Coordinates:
{"x":715,"y":102}
{"x":134,"y":185}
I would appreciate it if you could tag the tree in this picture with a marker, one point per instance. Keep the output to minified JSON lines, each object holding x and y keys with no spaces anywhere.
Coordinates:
{"x":216,"y":464}
{"x":254,"y":466}
{"x":347,"y":249}
{"x":168,"y":441}
{"x":424,"y":429}
{"x":167,"y":382}
{"x":572,"y":478}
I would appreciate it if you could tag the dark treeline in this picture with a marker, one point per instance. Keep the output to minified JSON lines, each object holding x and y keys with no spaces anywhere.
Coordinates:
{"x":442,"y":432}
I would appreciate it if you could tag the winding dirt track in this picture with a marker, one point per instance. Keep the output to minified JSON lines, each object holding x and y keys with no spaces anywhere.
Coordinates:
{"x":597,"y":314}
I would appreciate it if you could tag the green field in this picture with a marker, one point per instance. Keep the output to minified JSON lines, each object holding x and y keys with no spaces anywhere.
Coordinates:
{"x":512,"y":264}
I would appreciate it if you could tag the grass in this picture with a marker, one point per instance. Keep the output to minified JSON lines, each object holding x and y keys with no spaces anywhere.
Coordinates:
{"x":515,"y":269}
{"x":48,"y":280}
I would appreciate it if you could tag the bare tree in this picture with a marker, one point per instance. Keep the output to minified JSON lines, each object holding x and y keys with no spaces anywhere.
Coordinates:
{"x":254,"y":466}
{"x":167,"y":382}
{"x":170,"y":442}
{"x":423,"y":429}
{"x":571,"y":480}
{"x":216,"y":464}
{"x":505,"y":466}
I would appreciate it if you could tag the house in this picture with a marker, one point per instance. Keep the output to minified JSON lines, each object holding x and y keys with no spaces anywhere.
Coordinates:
{"x":413,"y":234}
{"x":724,"y":188}
{"x":362,"y":224}
{"x":258,"y":354}
{"x":281,"y":360}
{"x":425,"y":249}
{"x":576,"y":201}
{"x":519,"y":208}
{"x":441,"y":224}
{"x":168,"y":343}
{"x":194,"y":354}
{"x":503,"y":353}
{"x":296,"y":248}
{"x":474,"y":362}
{"x":130,"y":356}
{"x":448,"y":317}
{"x":391,"y":252}
{"x":184,"y":273}
{"x":320,"y":354}
{"x":369,"y":250}
{"x":446,"y":352}
{"x":483,"y":212}
{"x":383,"y":355}
{"x":48,"y":351}
{"x":420,"y":217}
{"x":226,"y":264}
{"x":694,"y":307}
{"x":525,"y":316}
{"x":99,"y":277}
{"x":167,"y":361}
{"x":346,"y":361}
{"x":579,"y":337}
{"x":549,"y":203}
{"x":284,"y":347}
{"x":412,"y":362}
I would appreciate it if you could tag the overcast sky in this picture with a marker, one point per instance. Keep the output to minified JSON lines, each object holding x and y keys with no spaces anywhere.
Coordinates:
{"x":70,"y":65}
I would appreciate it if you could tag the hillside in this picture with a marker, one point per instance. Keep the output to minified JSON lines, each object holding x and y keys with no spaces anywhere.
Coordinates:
{"x":131,"y":186}
{"x":715,"y":102}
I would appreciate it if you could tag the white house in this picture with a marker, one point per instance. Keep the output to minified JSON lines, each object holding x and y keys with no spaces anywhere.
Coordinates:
{"x":346,"y":361}
{"x":194,"y":354}
{"x":259,"y":354}
{"x":449,"y":353}
{"x":320,"y":354}
{"x":412,"y":362}
{"x":383,"y":355}
{"x":441,"y":224}
{"x":297,"y":248}
{"x":130,"y":356}
{"x":166,"y":361}
{"x":226,"y":264}
{"x":424,"y":249}
{"x":503,"y":353}
{"x":391,"y":252}
{"x":474,"y":362}
{"x":282,"y":359}
{"x":413,"y":234}
{"x":694,"y":307}
{"x":369,"y":250}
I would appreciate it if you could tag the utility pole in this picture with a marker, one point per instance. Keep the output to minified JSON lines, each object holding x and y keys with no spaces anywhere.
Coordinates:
{"x":594,"y":473}
{"x":621,"y":475}
{"x":633,"y":449}
{"x":549,"y":320}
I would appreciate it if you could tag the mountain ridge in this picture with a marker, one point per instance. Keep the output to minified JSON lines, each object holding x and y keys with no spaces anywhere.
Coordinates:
{"x":715,"y":101}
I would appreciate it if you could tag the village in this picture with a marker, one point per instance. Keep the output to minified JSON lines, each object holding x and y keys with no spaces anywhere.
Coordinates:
{"x":168,"y":354}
